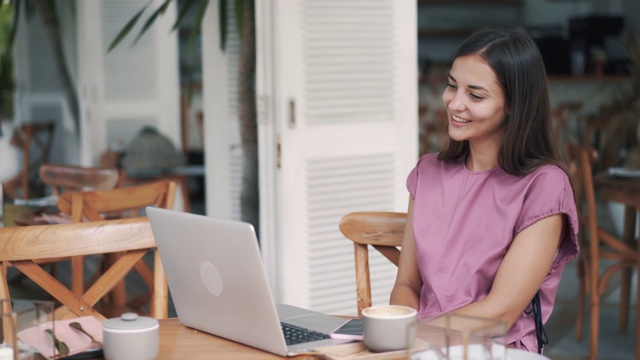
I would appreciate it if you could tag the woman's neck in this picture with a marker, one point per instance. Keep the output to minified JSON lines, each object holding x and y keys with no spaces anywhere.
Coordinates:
{"x":481,"y":159}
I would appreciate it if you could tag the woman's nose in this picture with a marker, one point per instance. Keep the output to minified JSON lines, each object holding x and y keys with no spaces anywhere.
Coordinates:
{"x":456,"y":103}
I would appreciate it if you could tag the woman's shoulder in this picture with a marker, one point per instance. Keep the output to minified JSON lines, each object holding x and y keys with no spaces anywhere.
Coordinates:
{"x":549,"y":172}
{"x":428,"y":158}
{"x":549,"y":180}
{"x":431,"y":161}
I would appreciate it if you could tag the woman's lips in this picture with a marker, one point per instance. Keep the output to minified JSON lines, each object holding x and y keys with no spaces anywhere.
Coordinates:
{"x":459,"y":119}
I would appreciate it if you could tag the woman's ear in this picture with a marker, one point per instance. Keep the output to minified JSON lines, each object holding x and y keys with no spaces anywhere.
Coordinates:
{"x":507,"y":114}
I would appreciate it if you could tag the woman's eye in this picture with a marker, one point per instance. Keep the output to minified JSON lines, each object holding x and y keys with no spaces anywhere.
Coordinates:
{"x":476,"y":96}
{"x":451,"y":86}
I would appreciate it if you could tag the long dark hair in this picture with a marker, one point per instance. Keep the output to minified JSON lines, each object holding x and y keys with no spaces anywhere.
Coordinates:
{"x":528,"y":137}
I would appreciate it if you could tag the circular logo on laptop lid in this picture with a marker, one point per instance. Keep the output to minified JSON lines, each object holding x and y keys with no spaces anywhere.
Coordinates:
{"x":210,"y":277}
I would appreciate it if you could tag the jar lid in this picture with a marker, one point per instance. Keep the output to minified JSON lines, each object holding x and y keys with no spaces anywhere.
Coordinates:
{"x":130,"y":321}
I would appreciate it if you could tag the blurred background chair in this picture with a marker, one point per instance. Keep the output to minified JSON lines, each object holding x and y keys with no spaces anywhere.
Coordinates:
{"x":35,"y":140}
{"x":60,"y":178}
{"x":602,"y":253}
{"x":23,"y":247}
{"x":383,"y":231}
{"x":99,"y":205}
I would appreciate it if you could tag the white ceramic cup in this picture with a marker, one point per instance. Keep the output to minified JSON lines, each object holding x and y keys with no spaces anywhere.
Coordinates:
{"x":389,"y":327}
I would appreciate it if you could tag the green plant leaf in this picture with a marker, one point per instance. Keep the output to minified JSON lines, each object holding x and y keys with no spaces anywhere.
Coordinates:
{"x":159,"y":11}
{"x":202,"y":9}
{"x":127,"y":28}
{"x":239,"y":15}
{"x":29,"y":9}
{"x":222,"y":18}
{"x":184,"y":11}
{"x":197,"y":25}
{"x":14,"y":22}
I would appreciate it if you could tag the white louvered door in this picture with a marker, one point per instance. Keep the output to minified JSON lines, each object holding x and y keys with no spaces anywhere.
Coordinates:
{"x":134,"y":85}
{"x":344,"y":94}
{"x":223,"y":151}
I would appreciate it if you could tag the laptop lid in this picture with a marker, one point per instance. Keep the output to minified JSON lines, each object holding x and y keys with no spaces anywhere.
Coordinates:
{"x":218,"y":283}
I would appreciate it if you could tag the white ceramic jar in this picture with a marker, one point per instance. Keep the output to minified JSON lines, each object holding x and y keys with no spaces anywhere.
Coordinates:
{"x":131,"y":337}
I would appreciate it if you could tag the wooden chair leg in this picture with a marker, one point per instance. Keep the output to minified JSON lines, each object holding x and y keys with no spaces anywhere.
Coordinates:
{"x":625,"y":275}
{"x":595,"y":323}
{"x":77,"y":275}
{"x":4,"y":286}
{"x":118,"y":295}
{"x":625,"y":294}
{"x":362,"y":276}
{"x":582,"y":293}
{"x":160,"y":291}
{"x":638,"y":311}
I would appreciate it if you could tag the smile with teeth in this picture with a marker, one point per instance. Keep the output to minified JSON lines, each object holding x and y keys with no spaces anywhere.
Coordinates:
{"x":459,"y":119}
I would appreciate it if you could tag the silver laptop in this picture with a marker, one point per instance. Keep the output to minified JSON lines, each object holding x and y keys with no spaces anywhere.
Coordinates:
{"x":218,"y":283}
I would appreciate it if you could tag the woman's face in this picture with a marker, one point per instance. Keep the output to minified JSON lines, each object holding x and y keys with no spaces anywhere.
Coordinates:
{"x":475,"y":102}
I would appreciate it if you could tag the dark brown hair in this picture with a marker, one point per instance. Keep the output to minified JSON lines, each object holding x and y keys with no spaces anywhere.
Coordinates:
{"x":528,"y":138}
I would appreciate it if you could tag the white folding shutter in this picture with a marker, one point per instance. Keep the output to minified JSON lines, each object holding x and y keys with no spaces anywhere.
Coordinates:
{"x":343,"y":92}
{"x":132,"y":86}
{"x":223,"y":151}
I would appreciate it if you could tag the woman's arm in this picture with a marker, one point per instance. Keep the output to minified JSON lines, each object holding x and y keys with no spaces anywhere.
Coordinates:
{"x":406,"y":290}
{"x":521,"y":273}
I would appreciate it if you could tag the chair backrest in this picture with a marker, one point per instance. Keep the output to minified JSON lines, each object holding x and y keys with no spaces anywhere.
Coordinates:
{"x":91,"y":205}
{"x":23,"y":247}
{"x":383,"y":231}
{"x":63,"y":178}
{"x":580,"y":160}
{"x":98,"y":205}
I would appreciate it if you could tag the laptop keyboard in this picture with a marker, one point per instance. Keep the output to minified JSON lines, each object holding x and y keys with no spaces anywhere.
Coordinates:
{"x":297,"y":335}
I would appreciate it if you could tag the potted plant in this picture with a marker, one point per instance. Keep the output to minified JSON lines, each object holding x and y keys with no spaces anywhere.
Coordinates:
{"x":10,"y":155}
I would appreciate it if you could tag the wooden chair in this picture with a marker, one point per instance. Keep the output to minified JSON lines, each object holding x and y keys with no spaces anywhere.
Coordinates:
{"x":127,"y":202}
{"x":61,"y":178}
{"x":597,"y":244}
{"x":35,"y":140}
{"x":383,"y":231}
{"x":23,"y":247}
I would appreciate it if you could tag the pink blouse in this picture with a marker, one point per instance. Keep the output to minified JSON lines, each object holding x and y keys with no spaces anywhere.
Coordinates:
{"x":464,"y":223}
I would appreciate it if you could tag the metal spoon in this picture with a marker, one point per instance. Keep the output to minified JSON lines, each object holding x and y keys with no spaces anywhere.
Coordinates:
{"x":76,"y":325}
{"x":62,"y":348}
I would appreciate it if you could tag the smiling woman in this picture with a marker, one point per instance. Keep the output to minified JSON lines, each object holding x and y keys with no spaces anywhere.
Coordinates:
{"x":492,"y":219}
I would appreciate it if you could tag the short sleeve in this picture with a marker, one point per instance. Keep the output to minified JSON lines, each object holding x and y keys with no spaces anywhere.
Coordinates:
{"x":425,"y":163}
{"x":412,"y":182}
{"x":550,"y":193}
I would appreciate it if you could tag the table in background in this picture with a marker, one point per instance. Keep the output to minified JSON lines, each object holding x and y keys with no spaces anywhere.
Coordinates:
{"x":21,"y":215}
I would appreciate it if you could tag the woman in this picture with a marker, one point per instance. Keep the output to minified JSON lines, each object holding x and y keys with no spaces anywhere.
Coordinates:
{"x":492,"y":219}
